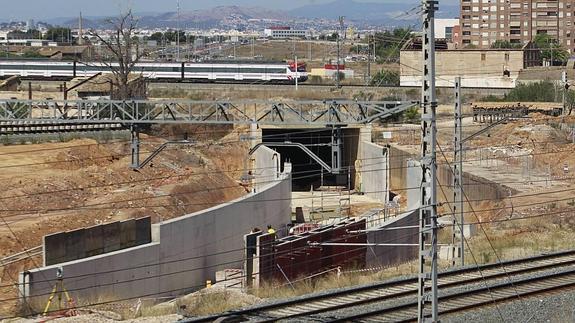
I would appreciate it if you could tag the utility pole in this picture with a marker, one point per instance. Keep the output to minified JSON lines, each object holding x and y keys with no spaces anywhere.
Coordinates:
{"x":368,"y":60}
{"x":427,"y":297}
{"x":296,"y":73}
{"x":178,"y":33}
{"x":458,"y":177}
{"x":565,"y":88}
{"x":338,"y":50}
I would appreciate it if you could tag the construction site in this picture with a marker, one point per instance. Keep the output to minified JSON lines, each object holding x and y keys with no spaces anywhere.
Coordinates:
{"x":132,"y":198}
{"x":131,"y":240}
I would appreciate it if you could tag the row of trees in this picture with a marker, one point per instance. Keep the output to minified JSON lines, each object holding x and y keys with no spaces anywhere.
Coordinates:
{"x":543,"y":91}
{"x":57,"y":34}
{"x":550,"y":48}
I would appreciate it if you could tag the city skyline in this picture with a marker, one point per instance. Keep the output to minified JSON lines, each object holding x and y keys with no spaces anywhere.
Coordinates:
{"x":37,"y":9}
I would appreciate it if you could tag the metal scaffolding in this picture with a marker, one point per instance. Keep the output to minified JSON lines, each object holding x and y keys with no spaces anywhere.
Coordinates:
{"x":427,"y":278}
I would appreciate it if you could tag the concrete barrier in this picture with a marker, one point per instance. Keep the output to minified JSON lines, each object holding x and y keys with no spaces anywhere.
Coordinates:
{"x":402,"y":178}
{"x":393,"y":254}
{"x":184,"y":253}
{"x":86,"y":242}
{"x":374,"y":160}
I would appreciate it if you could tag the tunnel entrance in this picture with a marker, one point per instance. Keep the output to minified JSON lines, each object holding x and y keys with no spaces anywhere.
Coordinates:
{"x":307,"y":173}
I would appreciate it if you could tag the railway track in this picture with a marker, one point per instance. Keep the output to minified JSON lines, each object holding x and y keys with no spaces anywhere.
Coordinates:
{"x":39,"y":126}
{"x":504,"y":281}
{"x":36,"y":251}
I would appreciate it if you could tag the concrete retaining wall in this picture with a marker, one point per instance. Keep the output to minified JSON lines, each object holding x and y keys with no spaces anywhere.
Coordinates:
{"x":183,"y":254}
{"x":475,"y":188}
{"x":385,"y":256}
{"x":374,"y":171}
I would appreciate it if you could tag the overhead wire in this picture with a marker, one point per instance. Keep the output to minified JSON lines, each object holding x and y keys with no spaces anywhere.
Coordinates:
{"x":484,"y":233}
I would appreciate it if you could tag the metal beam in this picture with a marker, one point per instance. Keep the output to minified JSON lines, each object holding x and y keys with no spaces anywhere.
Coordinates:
{"x":265,"y":112}
{"x":315,"y":157}
{"x":482,"y":131}
{"x":135,"y":146}
{"x":161,"y":148}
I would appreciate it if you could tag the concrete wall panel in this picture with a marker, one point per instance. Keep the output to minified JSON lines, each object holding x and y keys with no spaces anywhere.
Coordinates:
{"x":266,"y":166}
{"x":185,"y":253}
{"x":127,"y":233}
{"x":75,"y":247}
{"x":57,"y":251}
{"x":112,"y":239}
{"x":384,"y":256}
{"x":94,"y":241}
{"x":374,"y":170}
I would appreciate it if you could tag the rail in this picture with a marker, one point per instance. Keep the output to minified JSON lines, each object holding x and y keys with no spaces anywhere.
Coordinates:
{"x":36,"y":251}
{"x":406,"y":287}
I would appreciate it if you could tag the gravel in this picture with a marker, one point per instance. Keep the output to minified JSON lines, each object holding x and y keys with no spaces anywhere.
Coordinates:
{"x":553,"y":308}
{"x":517,"y":312}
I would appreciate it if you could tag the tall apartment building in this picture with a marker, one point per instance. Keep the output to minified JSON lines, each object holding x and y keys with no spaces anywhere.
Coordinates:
{"x":482,"y":22}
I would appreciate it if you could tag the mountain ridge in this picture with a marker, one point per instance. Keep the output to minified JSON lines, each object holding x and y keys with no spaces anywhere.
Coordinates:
{"x":372,"y":13}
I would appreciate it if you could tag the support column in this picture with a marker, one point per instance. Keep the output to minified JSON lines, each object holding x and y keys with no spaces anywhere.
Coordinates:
{"x":336,"y":150}
{"x":427,"y":280}
{"x":458,"y":177}
{"x":135,"y":136}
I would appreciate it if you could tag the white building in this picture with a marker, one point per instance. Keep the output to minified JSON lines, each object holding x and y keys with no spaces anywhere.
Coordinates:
{"x":286,"y":32}
{"x":444,"y":27}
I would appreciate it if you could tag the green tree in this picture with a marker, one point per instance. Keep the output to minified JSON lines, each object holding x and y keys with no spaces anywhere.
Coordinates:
{"x":569,"y":100}
{"x":59,"y":34}
{"x":504,"y":44}
{"x":332,"y":37}
{"x":385,"y":78}
{"x":170,"y":36}
{"x":543,"y":91}
{"x":31,"y":53}
{"x":551,"y":49}
{"x":389,"y":43}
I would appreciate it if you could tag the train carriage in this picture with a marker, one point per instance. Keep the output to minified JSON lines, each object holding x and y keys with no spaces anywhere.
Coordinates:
{"x":211,"y":71}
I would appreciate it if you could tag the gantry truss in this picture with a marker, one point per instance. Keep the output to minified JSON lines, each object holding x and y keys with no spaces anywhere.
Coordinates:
{"x":268,"y":112}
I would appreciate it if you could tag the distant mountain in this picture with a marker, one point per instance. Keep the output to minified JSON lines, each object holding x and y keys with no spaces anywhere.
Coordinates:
{"x":382,"y":13}
{"x":219,"y":16}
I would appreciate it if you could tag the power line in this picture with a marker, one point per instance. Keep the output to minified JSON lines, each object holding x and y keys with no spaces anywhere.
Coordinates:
{"x":313,"y":174}
{"x":235,"y":261}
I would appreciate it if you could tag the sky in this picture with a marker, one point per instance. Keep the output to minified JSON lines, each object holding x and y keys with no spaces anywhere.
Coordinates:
{"x":21,"y":10}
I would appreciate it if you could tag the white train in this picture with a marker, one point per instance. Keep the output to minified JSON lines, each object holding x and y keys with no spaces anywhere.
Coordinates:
{"x":215,"y":71}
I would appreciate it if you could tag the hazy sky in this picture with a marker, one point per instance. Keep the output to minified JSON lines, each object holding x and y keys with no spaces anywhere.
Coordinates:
{"x":45,"y":9}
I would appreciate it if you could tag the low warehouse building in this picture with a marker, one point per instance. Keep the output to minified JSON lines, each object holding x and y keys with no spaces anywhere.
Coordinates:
{"x":489,"y":68}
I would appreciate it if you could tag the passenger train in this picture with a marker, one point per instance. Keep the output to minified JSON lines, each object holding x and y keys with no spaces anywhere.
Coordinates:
{"x":211,"y":71}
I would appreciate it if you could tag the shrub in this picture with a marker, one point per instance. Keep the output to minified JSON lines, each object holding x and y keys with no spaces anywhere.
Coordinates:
{"x":385,"y":78}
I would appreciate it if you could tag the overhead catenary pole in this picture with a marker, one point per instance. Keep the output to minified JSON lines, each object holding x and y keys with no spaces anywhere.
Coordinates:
{"x":458,"y":178}
{"x":565,"y":88}
{"x":338,"y":51}
{"x":296,"y":73}
{"x":178,"y":33}
{"x":368,"y":80}
{"x":427,"y":296}
{"x":135,"y":146}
